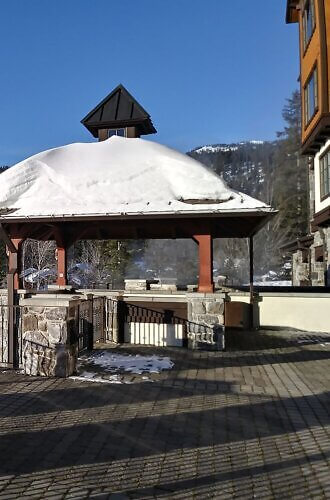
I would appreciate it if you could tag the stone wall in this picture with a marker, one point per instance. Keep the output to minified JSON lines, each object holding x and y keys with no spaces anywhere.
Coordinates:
{"x":206,"y":320}
{"x":310,"y":271}
{"x":320,"y":270}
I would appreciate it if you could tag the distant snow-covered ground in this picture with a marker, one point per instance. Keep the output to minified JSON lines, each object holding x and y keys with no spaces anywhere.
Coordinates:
{"x":273,"y":283}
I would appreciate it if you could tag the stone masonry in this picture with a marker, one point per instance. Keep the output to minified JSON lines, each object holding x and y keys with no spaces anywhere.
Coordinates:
{"x":310,"y":270}
{"x":320,"y":270}
{"x":206,"y":320}
{"x":49,"y":339}
{"x":300,"y":269}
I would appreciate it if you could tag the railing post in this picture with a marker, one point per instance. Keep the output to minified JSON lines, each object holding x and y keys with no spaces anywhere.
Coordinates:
{"x":168,"y":316}
{"x":90,"y":326}
{"x":251,"y":278}
{"x":121,"y":316}
{"x":13,"y":282}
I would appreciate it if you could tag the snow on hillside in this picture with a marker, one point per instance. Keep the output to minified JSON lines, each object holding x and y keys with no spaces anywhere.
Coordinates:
{"x":224,"y":148}
{"x":215,"y":149}
{"x":116,"y":176}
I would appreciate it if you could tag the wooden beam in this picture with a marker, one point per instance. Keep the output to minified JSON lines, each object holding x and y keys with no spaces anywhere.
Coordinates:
{"x":6,"y":239}
{"x":14,"y":261}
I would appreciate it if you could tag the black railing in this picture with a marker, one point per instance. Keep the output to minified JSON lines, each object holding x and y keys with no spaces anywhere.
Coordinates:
{"x":195,"y":333}
{"x":11,"y":343}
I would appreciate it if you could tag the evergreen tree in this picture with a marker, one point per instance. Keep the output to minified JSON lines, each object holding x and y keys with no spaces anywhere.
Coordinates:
{"x":291,"y":182}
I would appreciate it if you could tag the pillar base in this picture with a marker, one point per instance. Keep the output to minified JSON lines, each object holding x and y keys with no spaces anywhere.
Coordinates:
{"x":206,"y":288}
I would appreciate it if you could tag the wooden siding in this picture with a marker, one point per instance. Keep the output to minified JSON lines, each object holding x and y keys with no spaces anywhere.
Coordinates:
{"x":314,"y":55}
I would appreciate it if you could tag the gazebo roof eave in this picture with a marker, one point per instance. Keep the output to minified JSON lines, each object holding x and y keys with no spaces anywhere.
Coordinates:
{"x":218,"y":225}
{"x":255,"y":212}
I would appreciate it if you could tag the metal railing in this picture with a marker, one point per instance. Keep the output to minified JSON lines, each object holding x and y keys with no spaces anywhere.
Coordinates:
{"x":195,"y":333}
{"x":11,"y":346}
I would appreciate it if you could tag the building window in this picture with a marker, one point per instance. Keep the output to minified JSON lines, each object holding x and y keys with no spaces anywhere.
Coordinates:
{"x":311,"y":97}
{"x":308,"y":21}
{"x":117,"y":131}
{"x":325,"y":175}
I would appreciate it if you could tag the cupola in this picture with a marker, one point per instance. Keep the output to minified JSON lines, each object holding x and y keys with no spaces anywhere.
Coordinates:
{"x":118,"y":114}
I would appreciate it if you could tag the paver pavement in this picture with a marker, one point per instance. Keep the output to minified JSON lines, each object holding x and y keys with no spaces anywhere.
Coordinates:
{"x":251,"y":422}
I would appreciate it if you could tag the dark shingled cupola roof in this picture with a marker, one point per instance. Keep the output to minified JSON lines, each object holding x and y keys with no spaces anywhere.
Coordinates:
{"x":119,"y":109}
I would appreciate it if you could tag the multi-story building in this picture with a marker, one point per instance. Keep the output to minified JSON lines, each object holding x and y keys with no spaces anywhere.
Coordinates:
{"x":311,"y":260}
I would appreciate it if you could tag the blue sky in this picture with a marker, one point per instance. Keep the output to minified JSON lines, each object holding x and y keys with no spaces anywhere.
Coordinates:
{"x":207,"y":71}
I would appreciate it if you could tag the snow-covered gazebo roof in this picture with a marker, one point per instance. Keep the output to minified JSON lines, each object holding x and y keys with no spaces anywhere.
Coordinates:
{"x":121,"y":188}
{"x":117,"y":177}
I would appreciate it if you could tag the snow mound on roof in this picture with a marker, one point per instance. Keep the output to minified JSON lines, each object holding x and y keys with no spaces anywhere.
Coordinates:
{"x":118,"y":175}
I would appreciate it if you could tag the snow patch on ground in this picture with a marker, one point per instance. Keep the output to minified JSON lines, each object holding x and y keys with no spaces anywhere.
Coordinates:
{"x":110,"y":368}
{"x":92,"y":377}
{"x":112,"y":362}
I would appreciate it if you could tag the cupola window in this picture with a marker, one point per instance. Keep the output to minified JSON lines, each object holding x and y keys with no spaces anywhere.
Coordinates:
{"x":121,"y":132}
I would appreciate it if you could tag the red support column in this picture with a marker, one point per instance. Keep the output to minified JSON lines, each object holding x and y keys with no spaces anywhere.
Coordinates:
{"x":61,"y":266}
{"x":14,"y":262}
{"x":205,"y":247}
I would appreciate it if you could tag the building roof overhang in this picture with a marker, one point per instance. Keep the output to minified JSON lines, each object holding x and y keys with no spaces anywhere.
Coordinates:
{"x":321,"y":219}
{"x":292,"y":14}
{"x":298,"y":244}
{"x":318,"y":136}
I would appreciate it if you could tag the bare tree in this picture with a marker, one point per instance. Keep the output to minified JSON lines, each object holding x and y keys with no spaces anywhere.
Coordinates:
{"x":38,"y":263}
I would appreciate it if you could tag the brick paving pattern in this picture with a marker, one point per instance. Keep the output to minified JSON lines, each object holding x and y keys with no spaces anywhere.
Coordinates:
{"x":252,"y":422}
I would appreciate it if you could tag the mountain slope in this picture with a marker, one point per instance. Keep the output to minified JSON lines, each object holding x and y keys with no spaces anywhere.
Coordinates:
{"x":246,"y":166}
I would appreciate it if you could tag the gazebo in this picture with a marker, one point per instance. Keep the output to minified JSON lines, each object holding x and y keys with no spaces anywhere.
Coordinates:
{"x":121,"y":187}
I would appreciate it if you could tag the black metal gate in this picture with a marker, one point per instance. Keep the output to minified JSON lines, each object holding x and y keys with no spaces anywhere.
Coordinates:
{"x":91,"y":322}
{"x":99,"y":319}
{"x":11,"y":348}
{"x":85,"y":325}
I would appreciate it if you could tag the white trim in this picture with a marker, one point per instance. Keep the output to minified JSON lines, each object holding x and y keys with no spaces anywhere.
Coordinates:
{"x":320,"y":205}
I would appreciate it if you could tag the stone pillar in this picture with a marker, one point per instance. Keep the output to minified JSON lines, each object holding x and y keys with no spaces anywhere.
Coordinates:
{"x":205,"y":249}
{"x":319,"y":267}
{"x":61,"y":254}
{"x":49,"y":338}
{"x":206,"y":320}
{"x":301,"y":268}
